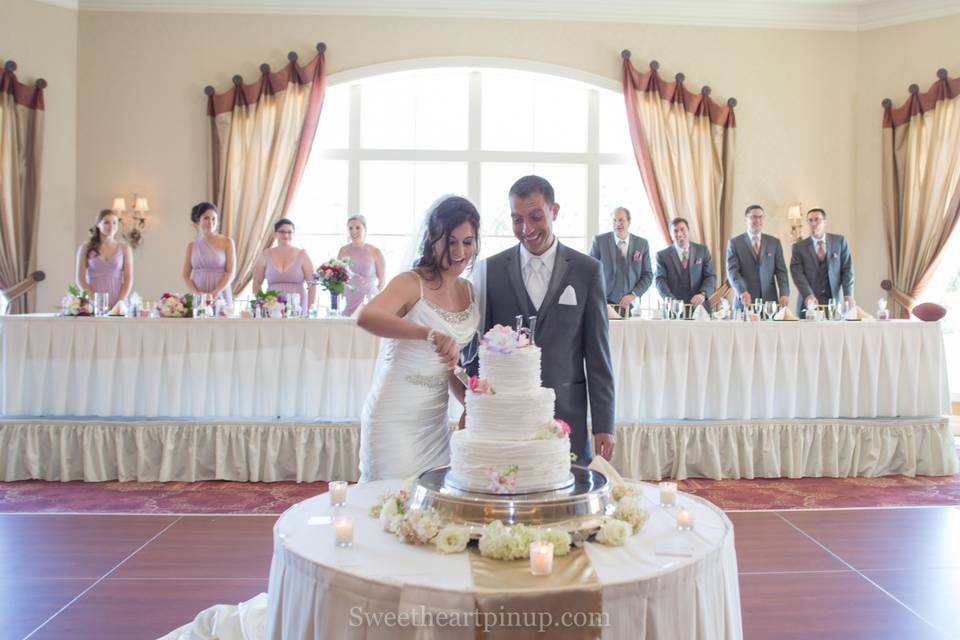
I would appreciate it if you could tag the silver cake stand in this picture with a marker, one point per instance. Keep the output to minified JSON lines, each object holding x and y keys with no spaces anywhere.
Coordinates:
{"x":577,"y":508}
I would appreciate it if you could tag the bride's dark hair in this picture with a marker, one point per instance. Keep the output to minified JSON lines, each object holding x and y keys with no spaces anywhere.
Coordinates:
{"x":445,"y":215}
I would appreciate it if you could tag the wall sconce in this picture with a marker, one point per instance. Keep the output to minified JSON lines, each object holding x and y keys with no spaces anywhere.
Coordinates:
{"x":137,"y":218}
{"x":795,"y":216}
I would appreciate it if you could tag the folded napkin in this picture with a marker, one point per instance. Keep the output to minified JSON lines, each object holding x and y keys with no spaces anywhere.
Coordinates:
{"x":784,"y":314}
{"x":119,"y":309}
{"x":600,"y":464}
{"x":863,"y":315}
{"x":857,"y":314}
{"x":612,"y":313}
{"x":701,"y":314}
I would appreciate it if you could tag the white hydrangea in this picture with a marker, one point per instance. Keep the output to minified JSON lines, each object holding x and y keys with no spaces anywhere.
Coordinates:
{"x":629,"y":511}
{"x":390,"y":516}
{"x":560,"y":540}
{"x":498,"y":543}
{"x":622,"y":491}
{"x":452,"y":538}
{"x":614,"y":533}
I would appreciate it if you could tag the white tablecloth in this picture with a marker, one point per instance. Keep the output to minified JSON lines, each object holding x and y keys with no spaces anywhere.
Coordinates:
{"x":122,"y":367}
{"x":322,"y":368}
{"x":321,"y":592}
{"x":760,"y":370}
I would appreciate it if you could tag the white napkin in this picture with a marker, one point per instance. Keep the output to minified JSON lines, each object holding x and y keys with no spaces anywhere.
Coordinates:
{"x":569,"y":296}
{"x":700,"y":314}
{"x":600,"y":464}
{"x":779,"y":315}
{"x":853,"y":314}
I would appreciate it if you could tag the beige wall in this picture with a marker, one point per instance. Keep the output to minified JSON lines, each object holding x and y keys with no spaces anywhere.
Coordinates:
{"x":808,"y":111}
{"x":889,"y":61}
{"x":42,"y":39}
{"x":141,"y":99}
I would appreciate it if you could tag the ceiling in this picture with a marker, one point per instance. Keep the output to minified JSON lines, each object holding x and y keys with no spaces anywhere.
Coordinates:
{"x":823,"y":15}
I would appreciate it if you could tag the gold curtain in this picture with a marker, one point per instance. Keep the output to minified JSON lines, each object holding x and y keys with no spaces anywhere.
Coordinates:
{"x":261,"y":135}
{"x":21,"y":150}
{"x":683,"y":144}
{"x":921,"y":181}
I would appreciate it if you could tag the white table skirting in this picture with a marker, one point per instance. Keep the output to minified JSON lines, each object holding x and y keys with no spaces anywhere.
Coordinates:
{"x":761,"y":370}
{"x":118,"y":367}
{"x":320,"y":592}
{"x":166,"y":451}
{"x":322,"y":368}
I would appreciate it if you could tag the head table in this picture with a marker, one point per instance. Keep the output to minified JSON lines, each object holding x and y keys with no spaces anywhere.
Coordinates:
{"x":318,"y":591}
{"x":307,"y":368}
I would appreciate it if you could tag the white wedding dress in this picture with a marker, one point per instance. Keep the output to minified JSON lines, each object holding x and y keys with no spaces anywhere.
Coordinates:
{"x":403,"y":430}
{"x":404,"y":427}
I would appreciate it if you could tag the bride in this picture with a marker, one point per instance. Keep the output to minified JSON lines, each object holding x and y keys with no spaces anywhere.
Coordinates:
{"x":428,"y":314}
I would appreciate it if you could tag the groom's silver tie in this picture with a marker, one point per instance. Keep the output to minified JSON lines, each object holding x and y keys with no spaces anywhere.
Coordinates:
{"x":536,"y":283}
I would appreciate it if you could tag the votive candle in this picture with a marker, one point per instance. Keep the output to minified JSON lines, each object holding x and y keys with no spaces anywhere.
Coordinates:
{"x":668,"y":494}
{"x":343,"y":531}
{"x":684,"y":519}
{"x":338,"y":493}
{"x":541,"y":558}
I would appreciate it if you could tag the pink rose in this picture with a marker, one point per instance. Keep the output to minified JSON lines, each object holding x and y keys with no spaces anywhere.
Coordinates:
{"x":480,"y":386}
{"x":636,"y":256}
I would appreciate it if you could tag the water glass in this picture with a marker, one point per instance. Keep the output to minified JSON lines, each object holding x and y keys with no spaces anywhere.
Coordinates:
{"x":666,"y":308}
{"x":882,"y":312}
{"x":770,"y":309}
{"x":293,"y":299}
{"x":101,"y":303}
{"x":678,"y":309}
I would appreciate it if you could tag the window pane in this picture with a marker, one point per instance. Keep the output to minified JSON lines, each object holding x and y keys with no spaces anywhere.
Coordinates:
{"x":321,"y":248}
{"x":614,"y":134}
{"x":560,"y":117}
{"x":320,"y":204}
{"x":570,"y":191}
{"x":495,"y":182}
{"x":333,"y":128}
{"x":507,"y":112}
{"x":424,"y":111}
{"x":395,"y":195}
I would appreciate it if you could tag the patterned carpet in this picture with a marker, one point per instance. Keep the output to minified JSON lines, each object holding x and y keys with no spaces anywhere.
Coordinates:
{"x":275,"y":497}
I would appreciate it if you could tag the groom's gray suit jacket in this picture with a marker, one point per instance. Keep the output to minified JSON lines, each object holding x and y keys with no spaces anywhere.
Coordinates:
{"x":574,"y":338}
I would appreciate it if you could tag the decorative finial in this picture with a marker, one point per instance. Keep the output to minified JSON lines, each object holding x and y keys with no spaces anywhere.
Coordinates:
{"x":209,"y":90}
{"x":625,"y":54}
{"x":238,"y":80}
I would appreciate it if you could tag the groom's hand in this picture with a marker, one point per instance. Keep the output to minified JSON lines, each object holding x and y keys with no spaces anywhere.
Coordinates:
{"x":603,"y":444}
{"x":463,"y":419}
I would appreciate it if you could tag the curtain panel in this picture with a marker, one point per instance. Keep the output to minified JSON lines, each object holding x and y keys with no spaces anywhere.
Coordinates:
{"x":21,"y":152}
{"x":683,"y":143}
{"x":261,"y":135}
{"x":921,"y":181}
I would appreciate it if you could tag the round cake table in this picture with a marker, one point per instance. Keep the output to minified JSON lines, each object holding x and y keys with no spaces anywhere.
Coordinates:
{"x":323,"y":592}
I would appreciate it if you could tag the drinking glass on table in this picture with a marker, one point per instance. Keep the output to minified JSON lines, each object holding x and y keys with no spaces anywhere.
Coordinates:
{"x":666,"y":308}
{"x":770,"y":309}
{"x":101,"y":303}
{"x":294,"y":301}
{"x":678,"y":309}
{"x":831,"y":309}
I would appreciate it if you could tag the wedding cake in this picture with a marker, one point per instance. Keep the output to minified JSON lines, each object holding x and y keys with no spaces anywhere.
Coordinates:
{"x":512,"y":444}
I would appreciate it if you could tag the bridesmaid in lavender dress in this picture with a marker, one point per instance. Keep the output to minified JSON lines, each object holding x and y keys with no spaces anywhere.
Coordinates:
{"x":286,"y":267}
{"x":367,"y":264}
{"x":209,"y":264}
{"x":104,"y":264}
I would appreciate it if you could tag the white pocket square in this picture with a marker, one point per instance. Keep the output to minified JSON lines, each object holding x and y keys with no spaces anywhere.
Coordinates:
{"x":569,"y":296}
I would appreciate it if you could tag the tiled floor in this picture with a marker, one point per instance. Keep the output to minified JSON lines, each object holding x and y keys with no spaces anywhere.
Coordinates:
{"x":871,"y":574}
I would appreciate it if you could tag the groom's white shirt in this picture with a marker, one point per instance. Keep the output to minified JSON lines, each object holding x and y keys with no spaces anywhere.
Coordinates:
{"x":549,"y":259}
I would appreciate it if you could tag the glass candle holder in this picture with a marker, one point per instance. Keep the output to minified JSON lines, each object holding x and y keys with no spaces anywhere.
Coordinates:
{"x":343,"y":531}
{"x":338,"y":493}
{"x":668,"y":494}
{"x":684,"y":519}
{"x":541,"y":558}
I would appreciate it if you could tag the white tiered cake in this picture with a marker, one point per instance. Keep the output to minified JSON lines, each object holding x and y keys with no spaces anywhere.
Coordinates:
{"x":511,"y":444}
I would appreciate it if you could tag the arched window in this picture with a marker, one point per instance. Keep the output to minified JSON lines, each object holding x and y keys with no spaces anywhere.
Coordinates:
{"x":392,"y":139}
{"x":944,"y":289}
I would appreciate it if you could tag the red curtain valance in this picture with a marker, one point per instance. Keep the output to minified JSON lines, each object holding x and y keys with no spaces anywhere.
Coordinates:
{"x":918,"y":103}
{"x":270,"y":83}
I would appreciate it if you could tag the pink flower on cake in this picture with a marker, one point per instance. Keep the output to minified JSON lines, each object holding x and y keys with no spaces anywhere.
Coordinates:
{"x":556,"y":428}
{"x":563,"y":427}
{"x":502,"y":481}
{"x":500,"y":339}
{"x":481,"y":386}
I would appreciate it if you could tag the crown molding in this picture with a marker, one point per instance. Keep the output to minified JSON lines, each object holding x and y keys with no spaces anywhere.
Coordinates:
{"x":816,"y":15}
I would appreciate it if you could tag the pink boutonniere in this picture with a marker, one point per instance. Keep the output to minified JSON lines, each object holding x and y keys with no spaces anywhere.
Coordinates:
{"x":636,"y":256}
{"x":698,"y":261}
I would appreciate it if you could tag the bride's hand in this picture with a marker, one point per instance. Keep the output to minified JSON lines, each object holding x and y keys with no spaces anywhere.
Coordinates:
{"x":447,"y":348}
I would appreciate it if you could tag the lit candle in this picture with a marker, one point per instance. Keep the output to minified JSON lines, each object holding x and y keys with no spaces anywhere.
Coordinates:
{"x":338,"y":493}
{"x":343,"y":531}
{"x":684,"y":519}
{"x":541,"y":558}
{"x":668,"y":494}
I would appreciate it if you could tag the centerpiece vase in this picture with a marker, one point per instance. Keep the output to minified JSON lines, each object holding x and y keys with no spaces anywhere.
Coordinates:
{"x":334,"y":304}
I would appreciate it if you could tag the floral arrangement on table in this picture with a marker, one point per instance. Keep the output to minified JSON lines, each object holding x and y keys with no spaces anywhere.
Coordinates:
{"x":497,"y":540}
{"x":333,"y":275}
{"x":76,"y":302}
{"x":174,"y":305}
{"x":272,"y":304}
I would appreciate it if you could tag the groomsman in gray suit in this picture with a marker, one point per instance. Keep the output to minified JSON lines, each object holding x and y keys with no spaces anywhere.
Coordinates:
{"x":685,"y":270}
{"x":755,"y":265}
{"x":626,"y":261}
{"x":821,"y":265}
{"x":564,"y":289}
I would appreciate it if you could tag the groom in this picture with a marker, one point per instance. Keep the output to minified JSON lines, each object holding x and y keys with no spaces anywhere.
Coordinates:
{"x":565,"y":290}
